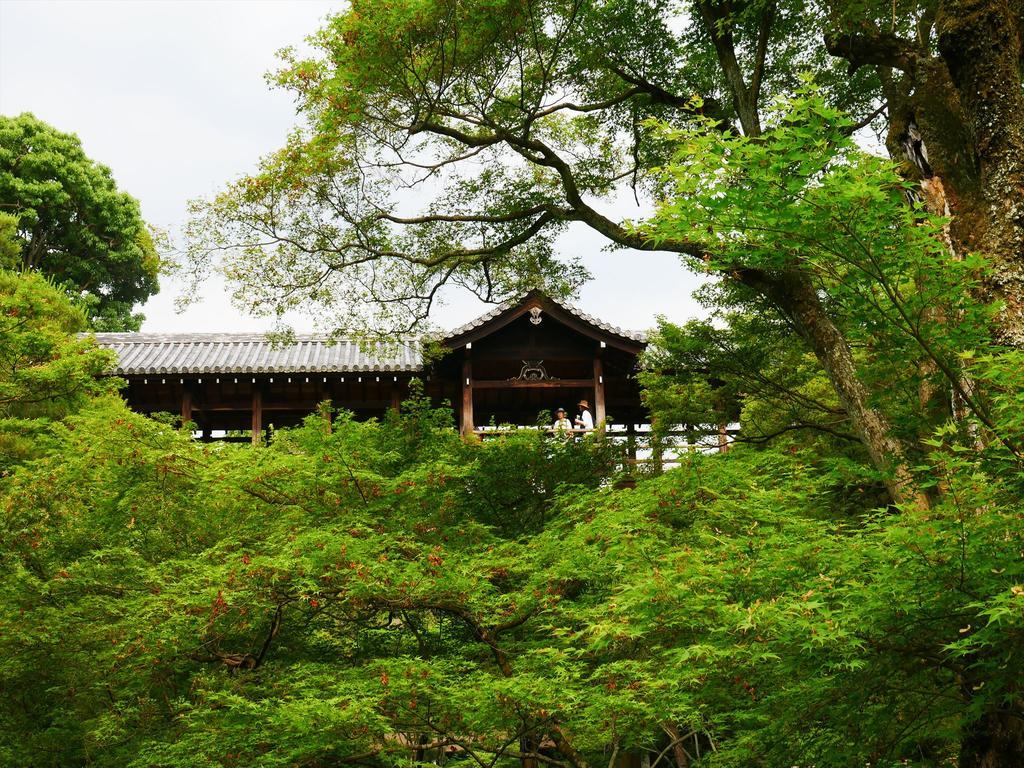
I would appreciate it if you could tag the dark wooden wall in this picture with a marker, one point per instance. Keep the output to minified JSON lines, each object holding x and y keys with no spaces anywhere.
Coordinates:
{"x":228,"y":401}
{"x":578,"y":366}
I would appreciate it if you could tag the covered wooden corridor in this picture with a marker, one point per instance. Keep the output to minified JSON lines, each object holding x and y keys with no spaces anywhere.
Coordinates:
{"x":524,"y":358}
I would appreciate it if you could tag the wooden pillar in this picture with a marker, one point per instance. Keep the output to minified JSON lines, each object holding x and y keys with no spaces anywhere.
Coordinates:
{"x":257,"y":414}
{"x":396,"y":397}
{"x":186,"y":404}
{"x":599,"y":411}
{"x":467,"y":396}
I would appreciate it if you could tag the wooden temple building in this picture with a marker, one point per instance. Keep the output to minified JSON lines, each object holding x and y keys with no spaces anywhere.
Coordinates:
{"x":524,"y":357}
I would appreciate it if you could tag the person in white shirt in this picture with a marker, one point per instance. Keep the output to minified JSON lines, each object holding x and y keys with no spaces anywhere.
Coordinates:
{"x":584,"y":420}
{"x":562,"y":425}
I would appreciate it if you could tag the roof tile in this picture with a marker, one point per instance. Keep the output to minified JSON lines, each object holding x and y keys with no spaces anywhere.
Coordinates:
{"x":205,"y":353}
{"x":199,"y":353}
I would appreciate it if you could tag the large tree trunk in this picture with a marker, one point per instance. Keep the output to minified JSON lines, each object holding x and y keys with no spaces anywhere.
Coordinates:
{"x":794,"y":293}
{"x":980,"y":43}
{"x":959,"y":117}
{"x":995,"y":741}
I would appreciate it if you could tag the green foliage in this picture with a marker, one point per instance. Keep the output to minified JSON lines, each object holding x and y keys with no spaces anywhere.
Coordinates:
{"x":543,"y":468}
{"x":345,"y":593}
{"x":805,"y":197}
{"x":802,"y":199}
{"x":513,"y":121}
{"x":365,"y":549}
{"x":745,"y":370}
{"x":45,"y":370}
{"x":386,"y":593}
{"x":72,"y":223}
{"x":10,"y":247}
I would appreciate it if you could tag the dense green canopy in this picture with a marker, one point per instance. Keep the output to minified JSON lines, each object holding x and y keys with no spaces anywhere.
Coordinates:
{"x":72,"y":222}
{"x":46,"y":371}
{"x":384,"y":594}
{"x":843,"y":587}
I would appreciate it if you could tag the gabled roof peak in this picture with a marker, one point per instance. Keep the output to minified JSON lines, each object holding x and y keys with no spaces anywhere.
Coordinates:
{"x":512,"y":308}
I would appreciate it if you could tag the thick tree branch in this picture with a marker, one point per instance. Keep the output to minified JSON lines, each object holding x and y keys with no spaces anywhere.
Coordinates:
{"x":881,"y":49}
{"x":716,"y":17}
{"x":796,"y":427}
{"x":761,"y":53}
{"x":709,"y":106}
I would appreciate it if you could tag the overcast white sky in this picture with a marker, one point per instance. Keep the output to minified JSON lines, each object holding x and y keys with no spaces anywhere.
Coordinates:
{"x":171,"y":96}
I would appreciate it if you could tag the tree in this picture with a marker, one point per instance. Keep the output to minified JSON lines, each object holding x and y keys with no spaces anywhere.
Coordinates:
{"x":951,"y":82}
{"x":73,"y":224}
{"x":46,"y":370}
{"x":345,"y":596}
{"x":522,"y":119}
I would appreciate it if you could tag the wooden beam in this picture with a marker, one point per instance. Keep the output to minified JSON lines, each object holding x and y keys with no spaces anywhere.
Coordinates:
{"x":467,"y":396}
{"x":570,"y":352}
{"x":531,"y":384}
{"x":599,"y":411}
{"x":257,"y":415}
{"x":298,"y":406}
{"x":186,"y":404}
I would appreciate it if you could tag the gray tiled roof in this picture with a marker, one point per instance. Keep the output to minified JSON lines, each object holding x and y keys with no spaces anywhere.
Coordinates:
{"x":608,"y":327}
{"x":204,"y":353}
{"x":507,"y":305}
{"x":192,"y":353}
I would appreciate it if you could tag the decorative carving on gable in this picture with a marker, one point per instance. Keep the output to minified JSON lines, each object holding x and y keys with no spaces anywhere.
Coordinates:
{"x":532,"y":370}
{"x":535,"y":317}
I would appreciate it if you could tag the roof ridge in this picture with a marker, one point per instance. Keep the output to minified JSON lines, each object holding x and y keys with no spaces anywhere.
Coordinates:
{"x":191,"y":354}
{"x":160,"y":337}
{"x":572,"y":309}
{"x":154,"y":337}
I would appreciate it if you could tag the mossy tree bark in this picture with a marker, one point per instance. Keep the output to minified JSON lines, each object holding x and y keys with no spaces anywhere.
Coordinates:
{"x":796,"y":296}
{"x":956,"y":114}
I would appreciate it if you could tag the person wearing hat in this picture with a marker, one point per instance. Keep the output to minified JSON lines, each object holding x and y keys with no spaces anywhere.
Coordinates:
{"x":562,"y":425}
{"x":584,"y":420}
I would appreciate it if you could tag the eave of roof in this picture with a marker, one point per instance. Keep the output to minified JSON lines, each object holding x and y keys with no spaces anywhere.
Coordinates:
{"x":142,"y":354}
{"x":208,"y":353}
